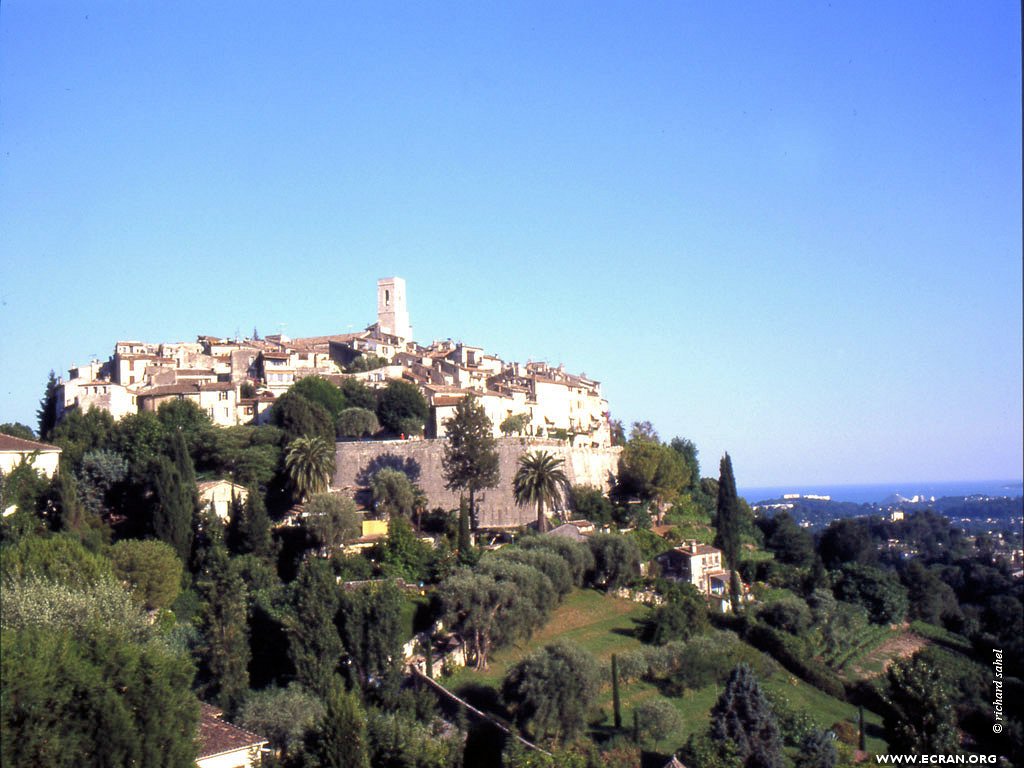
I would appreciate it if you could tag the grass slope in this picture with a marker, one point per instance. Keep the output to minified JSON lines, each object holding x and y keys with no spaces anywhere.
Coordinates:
{"x":605,"y":625}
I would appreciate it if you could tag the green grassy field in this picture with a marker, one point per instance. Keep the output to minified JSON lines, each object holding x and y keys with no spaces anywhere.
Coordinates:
{"x":605,"y":625}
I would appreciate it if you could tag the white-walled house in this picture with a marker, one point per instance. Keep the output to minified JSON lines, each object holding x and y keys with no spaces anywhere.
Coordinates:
{"x":43,"y":457}
{"x":217,"y":495}
{"x":697,"y":564}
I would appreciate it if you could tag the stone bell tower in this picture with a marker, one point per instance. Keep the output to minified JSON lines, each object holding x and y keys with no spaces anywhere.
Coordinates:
{"x":392,"y":313}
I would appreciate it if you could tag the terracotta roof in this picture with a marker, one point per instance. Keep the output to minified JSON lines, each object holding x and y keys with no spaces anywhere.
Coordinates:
{"x":217,"y":737}
{"x":187,"y":388}
{"x":440,"y":401}
{"x":206,"y":485}
{"x":10,"y":443}
{"x":700,"y":549}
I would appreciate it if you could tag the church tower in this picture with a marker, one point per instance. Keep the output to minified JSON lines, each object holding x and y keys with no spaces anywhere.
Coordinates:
{"x":392,"y":313}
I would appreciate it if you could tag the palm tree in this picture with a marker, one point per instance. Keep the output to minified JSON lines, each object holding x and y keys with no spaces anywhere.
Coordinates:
{"x":539,"y":480}
{"x":309,"y":464}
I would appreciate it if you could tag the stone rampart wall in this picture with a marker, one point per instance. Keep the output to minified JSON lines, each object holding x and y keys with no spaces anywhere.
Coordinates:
{"x":421,"y":460}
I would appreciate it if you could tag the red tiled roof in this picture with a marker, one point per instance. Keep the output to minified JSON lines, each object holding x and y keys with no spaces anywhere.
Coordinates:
{"x":700,"y":549}
{"x":187,"y":388}
{"x":217,"y":737}
{"x":443,"y":400}
{"x":10,"y":443}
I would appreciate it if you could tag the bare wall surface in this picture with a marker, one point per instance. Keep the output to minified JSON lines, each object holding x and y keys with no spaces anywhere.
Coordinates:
{"x":421,"y":460}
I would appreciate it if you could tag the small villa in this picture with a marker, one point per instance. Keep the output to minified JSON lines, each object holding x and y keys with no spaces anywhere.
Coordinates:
{"x":697,"y":564}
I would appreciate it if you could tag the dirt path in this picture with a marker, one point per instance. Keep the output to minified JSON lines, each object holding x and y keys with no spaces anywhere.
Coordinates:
{"x":877,"y":662}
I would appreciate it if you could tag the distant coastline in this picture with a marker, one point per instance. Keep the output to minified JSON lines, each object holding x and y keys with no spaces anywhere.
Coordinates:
{"x":878,"y":492}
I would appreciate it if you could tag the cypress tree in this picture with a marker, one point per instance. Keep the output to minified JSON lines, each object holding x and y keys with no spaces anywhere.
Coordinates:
{"x":249,"y":526}
{"x":314,"y":645}
{"x":616,"y":703}
{"x":69,"y":514}
{"x":341,"y":740}
{"x":234,"y":533}
{"x":171,"y":514}
{"x":743,"y":716}
{"x":258,"y":537}
{"x":224,"y":649}
{"x":727,"y":516}
{"x":727,"y":522}
{"x":47,"y":413}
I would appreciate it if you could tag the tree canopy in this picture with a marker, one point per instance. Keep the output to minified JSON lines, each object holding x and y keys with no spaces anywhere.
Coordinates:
{"x":402,"y":409}
{"x":333,"y":521}
{"x":319,"y":390}
{"x":922,"y":718}
{"x":299,"y":417}
{"x":393,"y":492}
{"x":551,"y":691}
{"x":356,"y":422}
{"x":470,"y":456}
{"x":88,"y":680}
{"x":651,"y":471}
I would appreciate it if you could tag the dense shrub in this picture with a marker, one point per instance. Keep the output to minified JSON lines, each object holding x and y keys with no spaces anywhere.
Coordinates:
{"x":793,"y":653}
{"x":577,"y":555}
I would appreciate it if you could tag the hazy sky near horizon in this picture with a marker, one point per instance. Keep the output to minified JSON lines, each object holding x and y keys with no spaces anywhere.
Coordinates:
{"x":790,"y":231}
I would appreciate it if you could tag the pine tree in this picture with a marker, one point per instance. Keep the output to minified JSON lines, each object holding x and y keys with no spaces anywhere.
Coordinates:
{"x":817,"y":750}
{"x":470,"y":456}
{"x":47,"y":413}
{"x":744,"y":717}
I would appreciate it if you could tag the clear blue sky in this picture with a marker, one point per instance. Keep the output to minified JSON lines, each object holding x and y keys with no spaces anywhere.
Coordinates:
{"x":787,"y":230}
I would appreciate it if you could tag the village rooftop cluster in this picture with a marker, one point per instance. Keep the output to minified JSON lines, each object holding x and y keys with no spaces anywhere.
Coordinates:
{"x":236,"y":381}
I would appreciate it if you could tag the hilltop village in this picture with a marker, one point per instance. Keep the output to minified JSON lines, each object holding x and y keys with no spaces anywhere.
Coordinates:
{"x":208,"y":560}
{"x":236,"y":381}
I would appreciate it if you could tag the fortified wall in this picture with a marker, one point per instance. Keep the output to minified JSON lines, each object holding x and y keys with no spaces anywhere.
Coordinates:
{"x":421,"y":460}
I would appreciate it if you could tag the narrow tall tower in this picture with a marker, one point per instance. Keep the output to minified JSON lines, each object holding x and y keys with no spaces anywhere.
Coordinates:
{"x":392,"y":313}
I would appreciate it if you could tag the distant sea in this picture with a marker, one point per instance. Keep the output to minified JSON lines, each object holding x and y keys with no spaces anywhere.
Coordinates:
{"x":867,"y":494}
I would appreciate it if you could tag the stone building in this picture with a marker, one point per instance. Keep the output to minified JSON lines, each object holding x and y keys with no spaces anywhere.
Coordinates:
{"x":697,"y":564}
